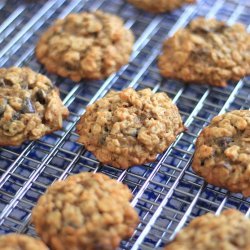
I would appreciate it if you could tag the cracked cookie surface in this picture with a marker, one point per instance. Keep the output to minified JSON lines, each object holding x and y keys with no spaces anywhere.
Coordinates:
{"x":207,"y":52}
{"x":129,"y":128}
{"x":159,"y":6}
{"x":20,"y":242}
{"x":222,"y":155}
{"x":86,"y":211}
{"x":88,"y":45}
{"x":228,"y":231}
{"x":30,"y":106}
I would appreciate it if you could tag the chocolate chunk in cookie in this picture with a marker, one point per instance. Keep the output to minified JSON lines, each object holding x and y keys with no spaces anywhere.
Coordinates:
{"x":159,"y":6}
{"x":85,"y":211}
{"x":207,"y":51}
{"x":20,"y":242}
{"x":129,"y":128}
{"x":85,"y":46}
{"x":222,"y":154}
{"x":24,"y":115}
{"x":228,"y":231}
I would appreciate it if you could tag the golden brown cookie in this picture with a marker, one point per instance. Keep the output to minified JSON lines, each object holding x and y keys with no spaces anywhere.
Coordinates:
{"x":85,"y":46}
{"x":207,"y":51}
{"x":85,"y":211}
{"x":159,"y":6}
{"x":228,"y":231}
{"x":222,"y":155}
{"x":20,"y":242}
{"x":129,"y":128}
{"x":30,"y":106}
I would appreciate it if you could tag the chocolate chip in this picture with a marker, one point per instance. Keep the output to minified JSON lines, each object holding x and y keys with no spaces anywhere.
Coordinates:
{"x":102,"y":140}
{"x":205,"y":30}
{"x":7,"y":83}
{"x":199,"y":54}
{"x":41,"y":96}
{"x":220,"y":28}
{"x":70,"y":66}
{"x":27,"y":106}
{"x":3,"y":104}
{"x":201,"y":30}
{"x":224,"y":142}
{"x":16,"y":116}
{"x":2,"y":84}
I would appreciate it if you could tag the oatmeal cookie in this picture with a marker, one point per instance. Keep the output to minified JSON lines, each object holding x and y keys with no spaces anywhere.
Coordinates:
{"x":85,"y":211}
{"x":85,"y":46}
{"x":20,"y":242}
{"x":207,"y":51}
{"x":222,"y":154}
{"x":228,"y":231}
{"x":159,"y":6}
{"x":129,"y":128}
{"x":30,"y":106}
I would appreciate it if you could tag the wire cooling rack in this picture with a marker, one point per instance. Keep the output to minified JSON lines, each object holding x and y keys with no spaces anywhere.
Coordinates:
{"x":167,"y":194}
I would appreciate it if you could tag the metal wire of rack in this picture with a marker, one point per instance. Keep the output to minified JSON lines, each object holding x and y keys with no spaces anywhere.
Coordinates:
{"x":167,"y":194}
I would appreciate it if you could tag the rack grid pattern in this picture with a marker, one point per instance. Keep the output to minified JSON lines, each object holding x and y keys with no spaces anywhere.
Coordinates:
{"x":167,"y":194}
